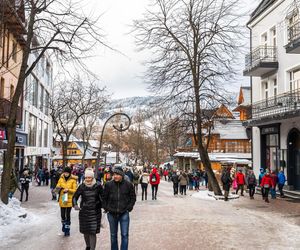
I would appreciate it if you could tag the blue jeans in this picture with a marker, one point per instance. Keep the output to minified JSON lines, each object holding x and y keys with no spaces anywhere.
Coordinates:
{"x":114,"y":221}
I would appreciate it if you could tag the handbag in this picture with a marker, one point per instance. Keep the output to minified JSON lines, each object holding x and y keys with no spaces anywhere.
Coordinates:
{"x":234,"y":184}
{"x":65,"y":198}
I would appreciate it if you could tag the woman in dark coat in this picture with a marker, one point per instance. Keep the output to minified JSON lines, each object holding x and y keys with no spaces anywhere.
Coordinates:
{"x":226,"y":181}
{"x":90,"y":208}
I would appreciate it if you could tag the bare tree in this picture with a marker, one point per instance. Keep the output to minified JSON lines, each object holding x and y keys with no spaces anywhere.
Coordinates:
{"x":59,"y":28}
{"x":194,"y":45}
{"x":72,"y":102}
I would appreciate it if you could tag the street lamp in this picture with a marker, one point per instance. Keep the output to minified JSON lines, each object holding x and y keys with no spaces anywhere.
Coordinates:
{"x":120,"y":128}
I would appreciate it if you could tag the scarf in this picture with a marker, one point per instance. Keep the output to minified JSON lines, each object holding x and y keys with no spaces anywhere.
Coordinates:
{"x":90,"y":185}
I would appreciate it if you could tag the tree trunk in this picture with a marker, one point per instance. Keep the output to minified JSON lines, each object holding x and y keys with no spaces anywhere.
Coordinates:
{"x":202,"y":150}
{"x":65,"y":153}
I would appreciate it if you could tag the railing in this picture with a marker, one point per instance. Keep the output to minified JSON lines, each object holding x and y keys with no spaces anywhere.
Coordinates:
{"x":5,"y":110}
{"x":294,"y":31}
{"x":261,"y":54}
{"x":279,"y":104}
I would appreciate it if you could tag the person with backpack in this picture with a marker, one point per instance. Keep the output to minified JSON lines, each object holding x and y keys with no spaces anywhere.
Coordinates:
{"x":135,"y":181}
{"x":144,"y":180}
{"x":183,"y":182}
{"x":25,"y":179}
{"x":251,"y":183}
{"x":267,"y":184}
{"x":226,"y":181}
{"x":240,"y":179}
{"x":175,"y":180}
{"x":154,"y":182}
{"x":281,"y":182}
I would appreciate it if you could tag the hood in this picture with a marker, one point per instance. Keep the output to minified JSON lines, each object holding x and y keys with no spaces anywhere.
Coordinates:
{"x":154,"y":171}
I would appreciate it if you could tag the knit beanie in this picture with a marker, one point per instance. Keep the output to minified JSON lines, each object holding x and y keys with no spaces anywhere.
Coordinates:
{"x":89,"y":173}
{"x":119,"y":171}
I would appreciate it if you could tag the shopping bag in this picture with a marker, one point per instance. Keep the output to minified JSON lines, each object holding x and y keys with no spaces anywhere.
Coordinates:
{"x":65,"y":198}
{"x":234,"y":184}
{"x":104,"y":220}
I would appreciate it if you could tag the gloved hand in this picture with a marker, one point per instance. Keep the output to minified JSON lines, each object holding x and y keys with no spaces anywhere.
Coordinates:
{"x":76,"y":207}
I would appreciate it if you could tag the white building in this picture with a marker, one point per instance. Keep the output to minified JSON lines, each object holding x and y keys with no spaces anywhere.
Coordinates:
{"x":37,"y":120}
{"x":274,"y":68}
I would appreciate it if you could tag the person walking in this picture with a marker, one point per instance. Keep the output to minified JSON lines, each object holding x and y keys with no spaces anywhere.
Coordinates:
{"x":240,"y":180}
{"x":25,"y":179}
{"x":251,"y":183}
{"x":118,"y":200}
{"x":136,"y":178}
{"x":275,"y":181}
{"x":154,"y":182}
{"x":66,"y":188}
{"x":91,"y":194}
{"x":165,"y":173}
{"x":267,"y":183}
{"x":175,"y":180}
{"x":183,"y":182}
{"x":226,"y":181}
{"x":260,"y":177}
{"x":281,"y":182}
{"x":144,"y":180}
{"x":54,"y":177}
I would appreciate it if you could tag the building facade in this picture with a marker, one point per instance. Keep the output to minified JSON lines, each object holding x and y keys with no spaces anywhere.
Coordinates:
{"x":12,"y":29}
{"x":37,"y":120}
{"x":228,"y":143}
{"x":274,"y":67}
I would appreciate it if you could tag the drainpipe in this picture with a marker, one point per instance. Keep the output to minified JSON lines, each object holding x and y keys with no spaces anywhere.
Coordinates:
{"x":251,"y":96}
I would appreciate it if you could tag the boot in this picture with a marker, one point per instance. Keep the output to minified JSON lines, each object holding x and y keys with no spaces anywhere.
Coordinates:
{"x":67,"y":228}
{"x":63,"y":226}
{"x":267,"y":200}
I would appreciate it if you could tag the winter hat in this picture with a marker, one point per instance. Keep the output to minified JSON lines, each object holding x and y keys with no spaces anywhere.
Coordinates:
{"x":89,"y":173}
{"x":119,"y":171}
{"x":67,"y":170}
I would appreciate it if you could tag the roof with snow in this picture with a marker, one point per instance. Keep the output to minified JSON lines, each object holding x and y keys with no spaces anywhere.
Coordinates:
{"x":230,"y":130}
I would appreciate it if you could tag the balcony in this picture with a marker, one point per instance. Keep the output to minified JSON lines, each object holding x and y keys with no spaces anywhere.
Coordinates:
{"x":5,"y":111}
{"x":293,"y":32}
{"x":261,"y":61}
{"x":278,"y":107}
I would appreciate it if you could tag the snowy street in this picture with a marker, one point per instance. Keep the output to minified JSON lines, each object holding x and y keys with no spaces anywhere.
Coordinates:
{"x":168,"y":223}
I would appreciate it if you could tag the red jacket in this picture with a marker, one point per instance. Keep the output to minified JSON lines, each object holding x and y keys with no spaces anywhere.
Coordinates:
{"x":154,"y":172}
{"x":240,"y":178}
{"x":166,"y":173}
{"x":267,"y":180}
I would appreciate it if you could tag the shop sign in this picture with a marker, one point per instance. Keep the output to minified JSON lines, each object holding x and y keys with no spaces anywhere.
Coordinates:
{"x":21,"y":139}
{"x":270,"y":130}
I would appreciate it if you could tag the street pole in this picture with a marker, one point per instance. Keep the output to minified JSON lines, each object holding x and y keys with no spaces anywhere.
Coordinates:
{"x":119,"y":128}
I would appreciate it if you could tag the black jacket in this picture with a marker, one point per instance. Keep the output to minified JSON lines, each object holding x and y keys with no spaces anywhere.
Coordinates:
{"x":175,"y":178}
{"x":226,"y":180}
{"x":90,"y":208}
{"x":118,"y":197}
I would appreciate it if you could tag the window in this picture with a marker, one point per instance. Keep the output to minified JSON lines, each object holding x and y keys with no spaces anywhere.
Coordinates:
{"x":45,"y":135}
{"x":34,"y":92}
{"x":41,"y":98}
{"x":14,"y":51}
{"x":273,"y":34}
{"x":40,"y":144}
{"x":48,"y":73}
{"x":295,"y":80}
{"x":46,"y":103}
{"x":12,"y":91}
{"x":2,"y":86}
{"x":275,"y":87}
{"x":32,"y":130}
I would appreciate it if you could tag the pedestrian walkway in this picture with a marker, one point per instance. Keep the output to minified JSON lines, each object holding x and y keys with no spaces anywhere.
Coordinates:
{"x":172,"y":223}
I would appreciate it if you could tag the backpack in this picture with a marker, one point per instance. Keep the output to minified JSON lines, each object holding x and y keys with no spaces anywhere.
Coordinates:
{"x":153,"y":178}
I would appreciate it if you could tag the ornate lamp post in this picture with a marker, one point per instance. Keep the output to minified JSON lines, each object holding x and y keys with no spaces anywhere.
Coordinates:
{"x":120,"y":128}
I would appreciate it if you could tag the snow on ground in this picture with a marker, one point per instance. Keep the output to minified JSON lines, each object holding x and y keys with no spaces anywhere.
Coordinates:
{"x":10,"y":221}
{"x":209,"y":196}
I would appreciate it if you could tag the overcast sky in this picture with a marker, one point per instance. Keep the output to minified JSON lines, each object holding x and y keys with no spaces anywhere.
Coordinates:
{"x":123,"y":74}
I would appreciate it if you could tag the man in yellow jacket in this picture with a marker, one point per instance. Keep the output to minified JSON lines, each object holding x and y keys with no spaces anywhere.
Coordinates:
{"x":66,"y":187}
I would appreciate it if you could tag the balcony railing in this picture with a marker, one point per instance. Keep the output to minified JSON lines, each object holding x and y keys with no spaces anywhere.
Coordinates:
{"x":280,"y":104}
{"x":5,"y":111}
{"x":294,"y":31}
{"x":261,"y":54}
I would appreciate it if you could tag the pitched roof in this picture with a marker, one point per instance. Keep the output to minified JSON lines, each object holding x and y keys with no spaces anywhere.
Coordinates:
{"x":244,"y":98}
{"x":264,"y":4}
